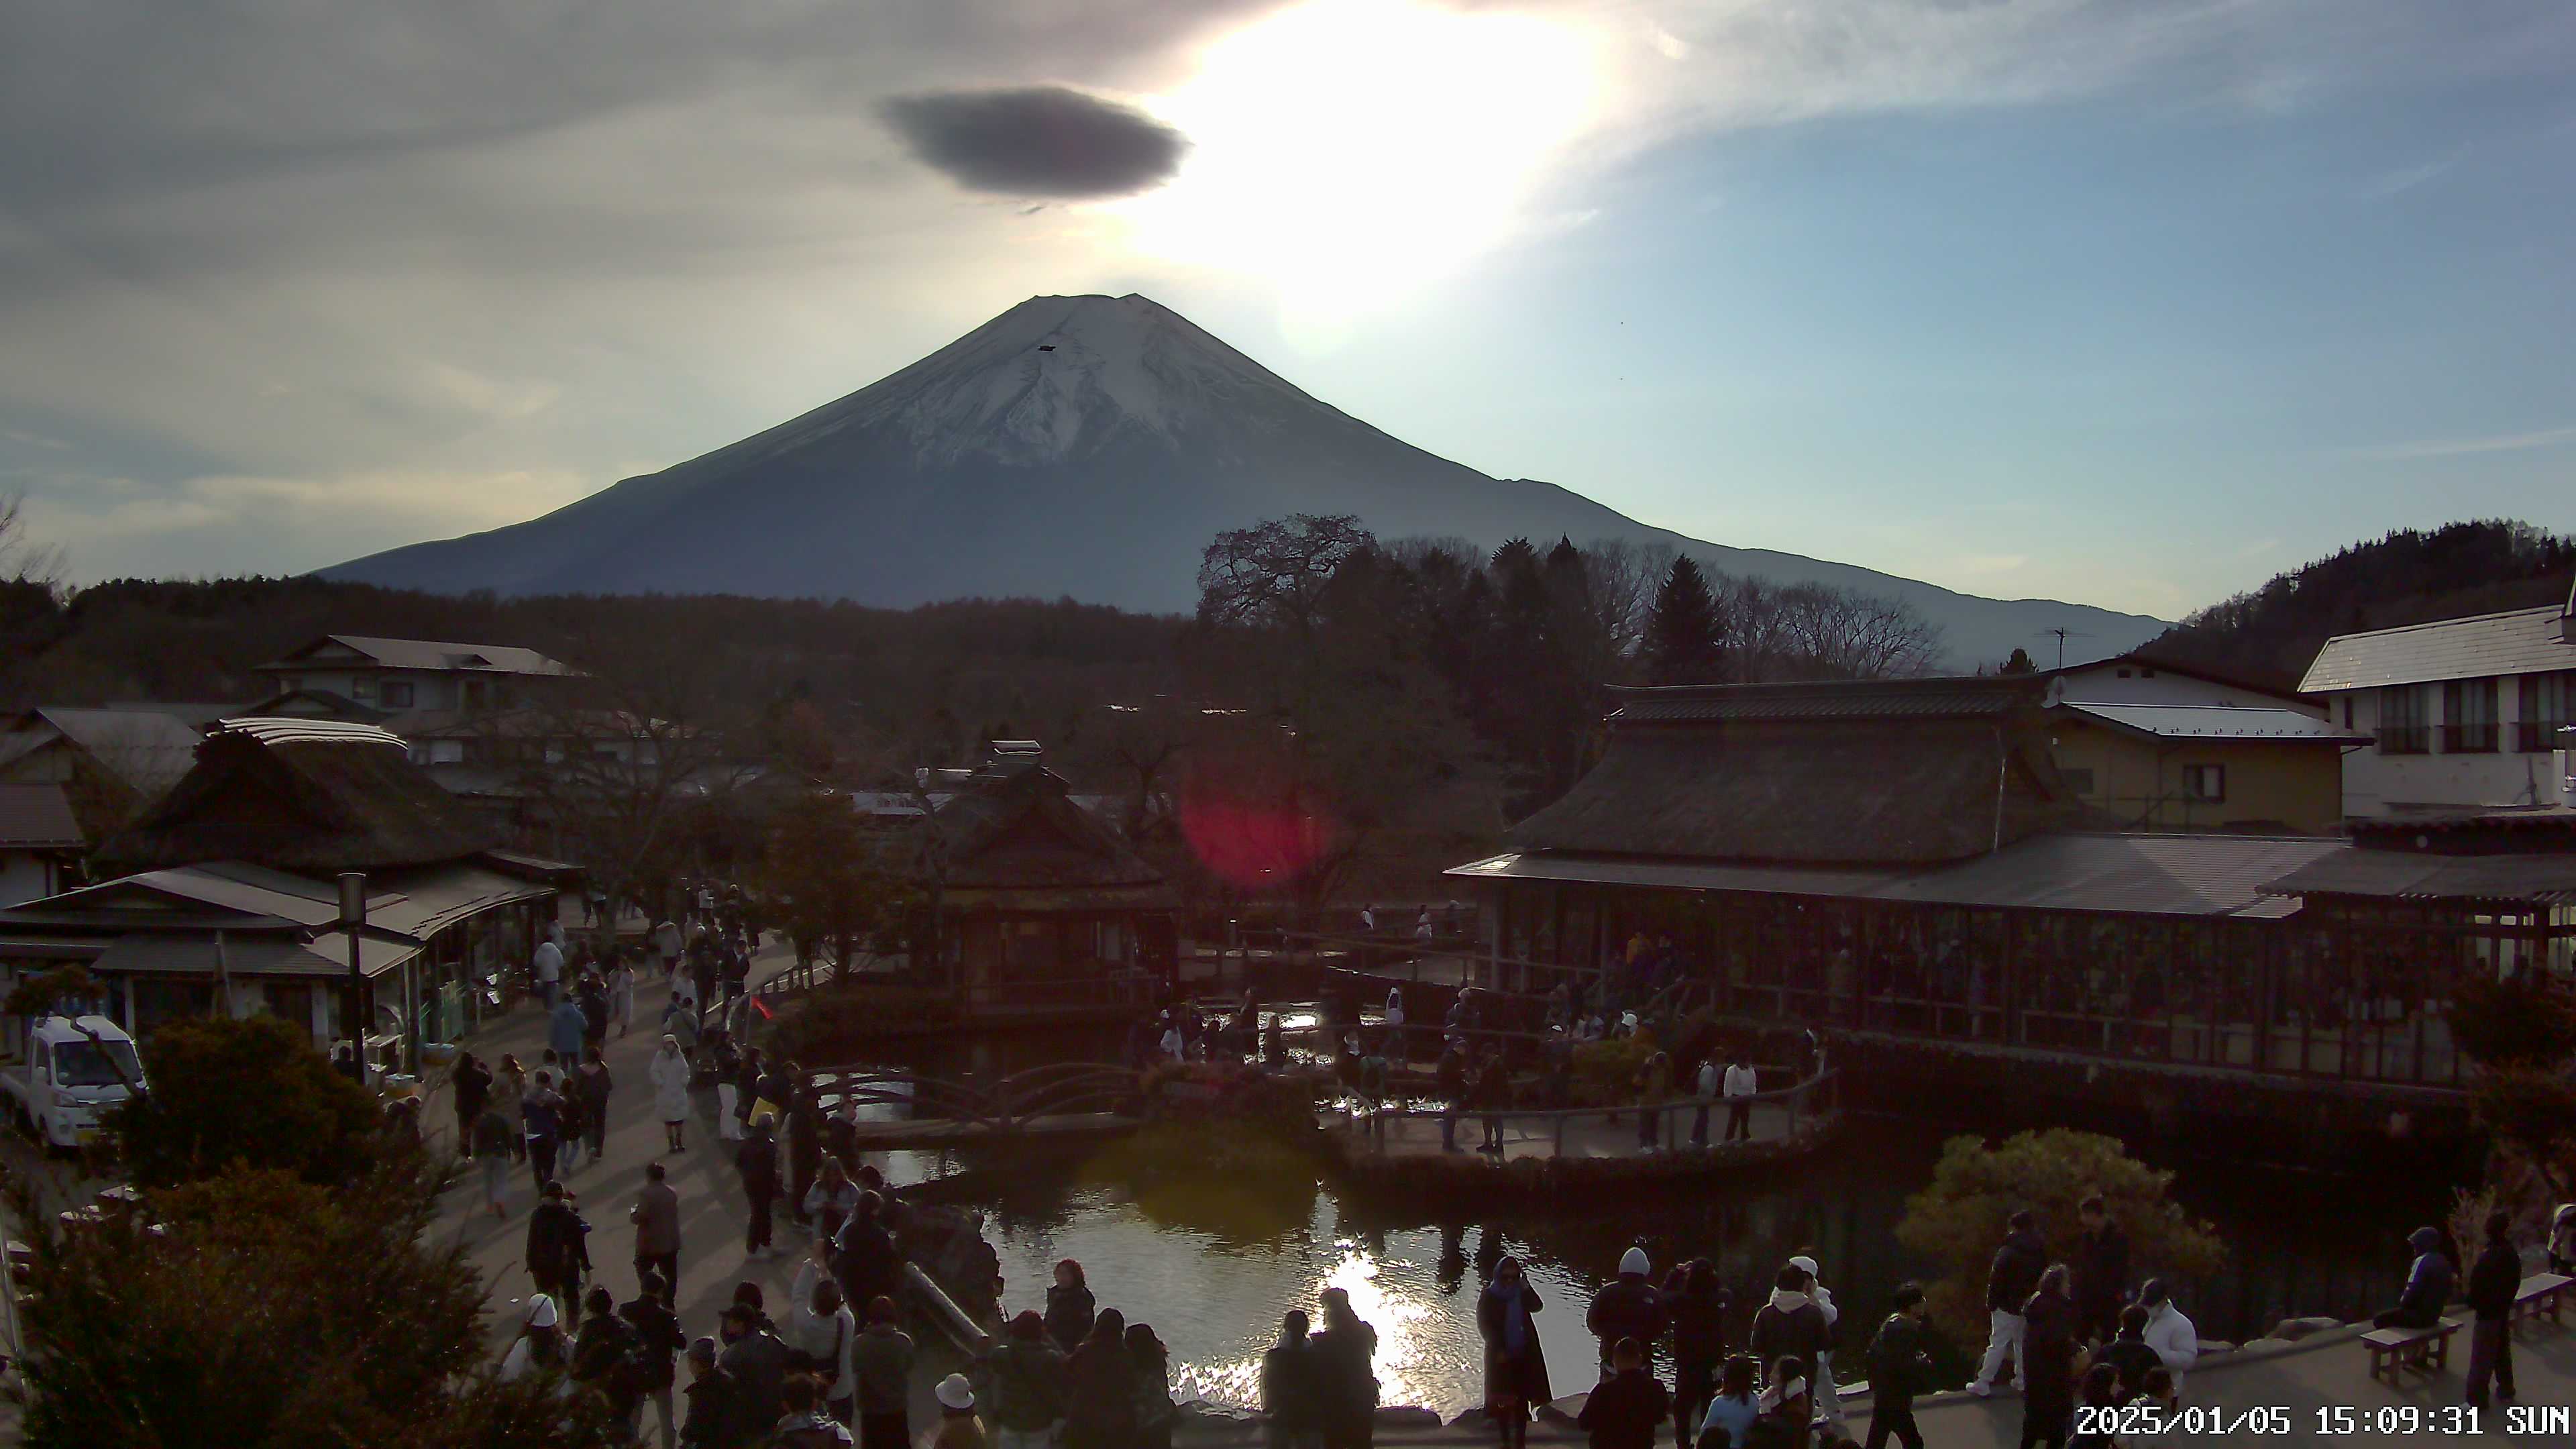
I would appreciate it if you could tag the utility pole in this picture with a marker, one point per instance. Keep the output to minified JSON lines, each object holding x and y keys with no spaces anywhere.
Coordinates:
{"x":353,"y":1009}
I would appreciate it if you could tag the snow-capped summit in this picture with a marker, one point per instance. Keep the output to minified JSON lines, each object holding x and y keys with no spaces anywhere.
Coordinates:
{"x":1074,"y":446}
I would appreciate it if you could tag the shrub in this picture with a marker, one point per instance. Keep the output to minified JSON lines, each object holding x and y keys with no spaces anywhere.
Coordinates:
{"x":251,"y":1093}
{"x":2526,"y":1020}
{"x":1961,"y":1217}
{"x":1605,"y":1072}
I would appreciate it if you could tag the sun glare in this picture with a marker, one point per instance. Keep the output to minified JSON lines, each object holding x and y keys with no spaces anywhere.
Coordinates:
{"x":1350,"y":148}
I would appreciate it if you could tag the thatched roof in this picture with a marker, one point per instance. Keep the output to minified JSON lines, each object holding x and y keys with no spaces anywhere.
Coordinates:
{"x":1013,"y":825}
{"x":1900,"y":773}
{"x":301,"y":796}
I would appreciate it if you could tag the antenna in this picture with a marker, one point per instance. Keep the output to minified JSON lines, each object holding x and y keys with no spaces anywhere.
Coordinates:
{"x":2064,"y":634}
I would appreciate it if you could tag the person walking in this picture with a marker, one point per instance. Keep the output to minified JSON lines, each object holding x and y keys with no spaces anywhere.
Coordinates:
{"x":604,"y":1355}
{"x":656,"y":1216}
{"x":668,"y":1072}
{"x":1515,"y":1364}
{"x":1100,"y":1392}
{"x":1291,"y":1396}
{"x":540,"y":1345}
{"x":1740,"y":1086}
{"x":491,"y":1140}
{"x":2010,"y":1280}
{"x":593,"y":996}
{"x":667,"y":945}
{"x":717,"y":1408}
{"x":1023,"y":1386}
{"x":509,"y":1087}
{"x":2101,"y":1265}
{"x":546,"y":965}
{"x":1627,"y":1307}
{"x":1698,"y":1305}
{"x":2494,"y":1279}
{"x":558,"y":1250}
{"x":1654,"y":1082}
{"x":2428,"y":1284}
{"x":959,"y":1426}
{"x":566,"y":1030}
{"x":658,"y":1340}
{"x":2170,"y":1333}
{"x":1829,"y":1401}
{"x":595,"y":1086}
{"x":1727,"y":1422}
{"x":1790,"y":1327}
{"x":621,"y":993}
{"x":883,"y":1357}
{"x":1070,"y":1306}
{"x":2049,"y":1351}
{"x":757,"y":1160}
{"x":1493,"y":1095}
{"x":1900,"y":1367}
{"x":1624,"y":1410}
{"x":1346,"y":1356}
{"x":542,"y":1113}
{"x":469,"y":1087}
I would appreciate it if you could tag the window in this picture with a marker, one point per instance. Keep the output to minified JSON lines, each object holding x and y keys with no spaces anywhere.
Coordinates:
{"x":396,"y":694}
{"x":2404,"y":726}
{"x":2079,"y":781}
{"x":360,"y":686}
{"x":2124,"y":674}
{"x":2206,"y":783}
{"x":2544,"y":712}
{"x":446,"y":752}
{"x":2347,"y":711}
{"x":2469,"y":717}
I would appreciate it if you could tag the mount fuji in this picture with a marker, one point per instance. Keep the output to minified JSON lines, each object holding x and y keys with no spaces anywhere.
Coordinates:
{"x":1082,"y":446}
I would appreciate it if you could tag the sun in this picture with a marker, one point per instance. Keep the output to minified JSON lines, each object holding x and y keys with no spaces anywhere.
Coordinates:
{"x":1353,"y":148}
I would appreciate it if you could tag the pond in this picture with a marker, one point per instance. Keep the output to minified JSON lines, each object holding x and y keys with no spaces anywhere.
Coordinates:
{"x":1211,"y":1262}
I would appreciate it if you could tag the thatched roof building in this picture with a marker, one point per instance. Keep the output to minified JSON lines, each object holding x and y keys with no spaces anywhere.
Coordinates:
{"x":1894,"y":772}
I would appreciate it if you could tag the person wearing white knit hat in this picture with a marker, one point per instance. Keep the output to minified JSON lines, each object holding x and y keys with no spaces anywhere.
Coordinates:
{"x":1828,"y":1398}
{"x":959,"y":1426}
{"x":1628,"y":1308}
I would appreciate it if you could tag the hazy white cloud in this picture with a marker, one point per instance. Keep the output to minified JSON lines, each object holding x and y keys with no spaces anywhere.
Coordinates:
{"x":2467,"y":447}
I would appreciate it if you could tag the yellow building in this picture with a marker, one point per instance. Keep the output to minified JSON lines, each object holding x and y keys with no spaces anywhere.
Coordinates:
{"x":2152,"y":747}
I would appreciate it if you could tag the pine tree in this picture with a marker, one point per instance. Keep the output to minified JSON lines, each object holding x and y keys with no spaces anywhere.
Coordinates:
{"x":2020,"y":662}
{"x":1683,"y":636}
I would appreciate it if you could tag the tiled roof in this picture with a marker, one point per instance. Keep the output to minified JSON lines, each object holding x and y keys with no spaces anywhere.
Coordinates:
{"x":2520,"y":641}
{"x":37,"y":817}
{"x":1875,"y":699}
{"x":2547,"y":877}
{"x":2218,"y":722}
{"x":427,"y":654}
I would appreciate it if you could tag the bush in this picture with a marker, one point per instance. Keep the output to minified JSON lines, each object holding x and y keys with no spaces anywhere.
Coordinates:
{"x":2526,"y":1020}
{"x":251,"y":1093}
{"x":1605,"y":1072}
{"x":267,"y":1311}
{"x":1961,"y":1218}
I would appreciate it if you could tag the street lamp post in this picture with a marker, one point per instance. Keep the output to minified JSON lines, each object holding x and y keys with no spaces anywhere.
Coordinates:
{"x":353,"y":1011}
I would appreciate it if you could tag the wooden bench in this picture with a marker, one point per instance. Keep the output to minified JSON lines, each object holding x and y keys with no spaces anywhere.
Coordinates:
{"x":2395,"y":1350}
{"x":2540,"y":1293}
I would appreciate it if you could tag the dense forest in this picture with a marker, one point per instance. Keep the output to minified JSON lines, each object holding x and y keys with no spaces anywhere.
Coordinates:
{"x":2410,"y":576}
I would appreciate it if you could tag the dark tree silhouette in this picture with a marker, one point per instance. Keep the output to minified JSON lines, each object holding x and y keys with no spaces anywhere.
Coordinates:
{"x":1684,"y":636}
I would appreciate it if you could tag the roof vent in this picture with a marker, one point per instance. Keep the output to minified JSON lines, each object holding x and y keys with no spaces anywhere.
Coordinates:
{"x":1046,"y":347}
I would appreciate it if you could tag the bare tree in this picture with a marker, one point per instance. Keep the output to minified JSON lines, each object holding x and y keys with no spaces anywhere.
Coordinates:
{"x":1277,"y":572}
{"x":1816,"y":631}
{"x":1621,"y":576}
{"x":23,"y":561}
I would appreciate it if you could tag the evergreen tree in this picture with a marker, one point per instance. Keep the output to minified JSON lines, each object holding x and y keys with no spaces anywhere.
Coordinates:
{"x":2020,"y":662}
{"x":1684,"y":635}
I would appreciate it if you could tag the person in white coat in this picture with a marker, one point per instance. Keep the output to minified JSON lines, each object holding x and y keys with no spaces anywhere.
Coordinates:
{"x":621,"y":994}
{"x":1741,"y":1084}
{"x":822,"y":1327}
{"x":540,"y":1343}
{"x":1829,"y":1400}
{"x":2169,"y":1333}
{"x":669,"y":1074}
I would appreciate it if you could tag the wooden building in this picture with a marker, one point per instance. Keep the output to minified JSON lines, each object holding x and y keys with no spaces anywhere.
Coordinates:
{"x":225,"y":897}
{"x":1903,"y":864}
{"x":1042,"y":908}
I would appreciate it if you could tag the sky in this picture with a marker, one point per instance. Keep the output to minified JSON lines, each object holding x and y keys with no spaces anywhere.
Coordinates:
{"x":2126,"y":302}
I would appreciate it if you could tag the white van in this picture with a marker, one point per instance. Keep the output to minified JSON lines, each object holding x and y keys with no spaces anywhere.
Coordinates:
{"x":72,"y":1071}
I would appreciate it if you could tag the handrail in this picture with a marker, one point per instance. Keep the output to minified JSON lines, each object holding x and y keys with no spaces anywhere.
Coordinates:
{"x":1369,"y":1125}
{"x":1664,"y":1104}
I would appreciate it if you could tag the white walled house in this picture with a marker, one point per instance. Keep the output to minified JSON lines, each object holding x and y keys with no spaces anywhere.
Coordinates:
{"x":391,"y":676}
{"x":2462,"y":713}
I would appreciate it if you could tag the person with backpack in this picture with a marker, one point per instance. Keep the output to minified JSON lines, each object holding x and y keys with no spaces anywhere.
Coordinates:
{"x":1698,"y":1301}
{"x":882,"y":1359}
{"x":1515,"y":1364}
{"x":605,"y":1356}
{"x":1624,"y":1410}
{"x":657,"y":1339}
{"x":821,"y":1333}
{"x":1022,"y":1385}
{"x":802,"y":1424}
{"x":758,"y":1358}
{"x":558,"y":1250}
{"x":1727,"y":1422}
{"x":1790,"y":1327}
{"x":540,"y":1344}
{"x":1291,"y":1398}
{"x":1900,"y":1367}
{"x":2010,"y":1280}
{"x":491,"y":1143}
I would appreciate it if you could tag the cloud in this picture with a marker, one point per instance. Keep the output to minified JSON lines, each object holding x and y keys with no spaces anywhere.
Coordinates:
{"x":1038,"y":141}
{"x":2468,"y":447}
